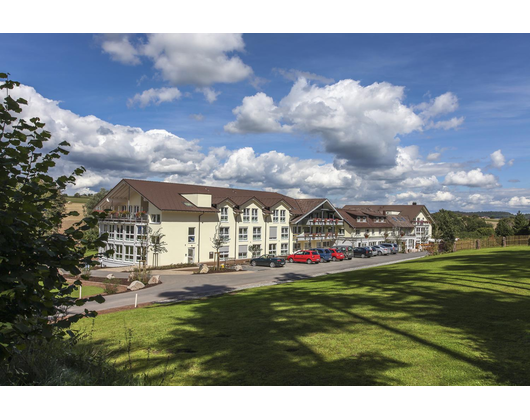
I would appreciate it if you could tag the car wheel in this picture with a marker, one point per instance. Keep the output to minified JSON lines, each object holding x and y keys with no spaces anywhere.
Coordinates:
{"x":253,"y":263}
{"x":334,"y":259}
{"x":309,"y":261}
{"x":363,"y":256}
{"x":291,"y":260}
{"x":272,"y":265}
{"x":321,"y":260}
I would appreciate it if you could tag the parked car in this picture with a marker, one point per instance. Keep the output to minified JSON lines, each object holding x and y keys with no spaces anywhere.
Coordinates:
{"x":324,"y":256}
{"x":305,"y":256}
{"x":362,"y":252}
{"x":336,"y":255}
{"x":381,"y":250}
{"x":392,"y":247}
{"x":346,"y":250}
{"x":268,"y":260}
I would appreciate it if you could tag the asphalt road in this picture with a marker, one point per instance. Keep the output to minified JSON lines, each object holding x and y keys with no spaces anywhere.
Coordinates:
{"x":184,"y":285}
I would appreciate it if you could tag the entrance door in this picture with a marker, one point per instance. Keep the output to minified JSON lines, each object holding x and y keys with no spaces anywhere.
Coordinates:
{"x":191,"y":255}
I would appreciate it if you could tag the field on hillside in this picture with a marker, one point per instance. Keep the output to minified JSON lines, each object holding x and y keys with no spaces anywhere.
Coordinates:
{"x":82,"y":200}
{"x":454,"y":319}
{"x":70,"y":220}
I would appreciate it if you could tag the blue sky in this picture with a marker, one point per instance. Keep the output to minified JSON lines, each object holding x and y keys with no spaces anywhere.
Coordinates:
{"x":439,"y":119}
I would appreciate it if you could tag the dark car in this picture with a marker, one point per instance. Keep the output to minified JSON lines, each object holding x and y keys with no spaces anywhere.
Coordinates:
{"x":324,"y":255}
{"x":362,"y":252}
{"x":268,"y":260}
{"x":391,"y":247}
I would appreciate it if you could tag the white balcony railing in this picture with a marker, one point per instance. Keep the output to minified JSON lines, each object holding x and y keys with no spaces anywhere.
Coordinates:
{"x":325,"y":222}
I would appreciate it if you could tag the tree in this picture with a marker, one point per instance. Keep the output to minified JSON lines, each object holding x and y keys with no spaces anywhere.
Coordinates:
{"x":217,"y":242}
{"x":32,"y":256}
{"x":446,"y":228}
{"x":156,"y":244}
{"x":93,"y":200}
{"x":520,"y":224}
{"x":504,"y":228}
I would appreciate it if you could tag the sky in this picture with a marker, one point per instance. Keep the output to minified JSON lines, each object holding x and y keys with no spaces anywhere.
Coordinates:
{"x":437,"y":119}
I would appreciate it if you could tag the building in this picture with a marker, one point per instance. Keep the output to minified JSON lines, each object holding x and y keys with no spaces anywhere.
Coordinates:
{"x":250,"y":222}
{"x":375,"y":224}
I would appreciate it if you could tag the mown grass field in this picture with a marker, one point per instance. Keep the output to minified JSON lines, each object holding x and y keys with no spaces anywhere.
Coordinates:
{"x":456,"y":319}
{"x":88,"y":291}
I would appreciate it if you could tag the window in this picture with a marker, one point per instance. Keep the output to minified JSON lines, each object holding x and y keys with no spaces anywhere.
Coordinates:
{"x":140,"y":253}
{"x":275,"y":216}
{"x":224,"y":233}
{"x":129,"y":233}
{"x":119,"y":233}
{"x":358,"y":232}
{"x":297,"y":229}
{"x":210,"y":255}
{"x":129,"y":250}
{"x":155,"y":218}
{"x":256,"y":234}
{"x":361,"y":218}
{"x":191,"y":235}
{"x":341,"y":232}
{"x":246,"y":215}
{"x":284,"y":249}
{"x":273,"y":232}
{"x":136,"y":209}
{"x":224,"y":214}
{"x":111,"y":231}
{"x":282,"y":216}
{"x":272,"y":249}
{"x":243,"y":234}
{"x":285,"y":233}
{"x":223,"y":253}
{"x":254,"y":215}
{"x":297,"y":246}
{"x":243,"y":251}
{"x":141,"y":233}
{"x":118,"y":255}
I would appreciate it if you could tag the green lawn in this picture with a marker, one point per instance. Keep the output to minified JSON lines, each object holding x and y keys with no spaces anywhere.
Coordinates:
{"x":457,"y":319}
{"x":88,"y":291}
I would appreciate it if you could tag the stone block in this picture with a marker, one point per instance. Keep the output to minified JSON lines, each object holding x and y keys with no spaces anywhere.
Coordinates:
{"x":136,"y":285}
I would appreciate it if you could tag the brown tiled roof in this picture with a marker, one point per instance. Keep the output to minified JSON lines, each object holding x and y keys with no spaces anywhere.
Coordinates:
{"x":410,"y":211}
{"x":167,"y":195}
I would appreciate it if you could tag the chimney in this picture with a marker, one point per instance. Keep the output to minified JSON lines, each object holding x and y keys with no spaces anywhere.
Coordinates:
{"x":414,"y":203}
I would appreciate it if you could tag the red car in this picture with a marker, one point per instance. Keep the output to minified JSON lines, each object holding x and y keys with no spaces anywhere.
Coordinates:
{"x":336,"y":255}
{"x":307,"y":257}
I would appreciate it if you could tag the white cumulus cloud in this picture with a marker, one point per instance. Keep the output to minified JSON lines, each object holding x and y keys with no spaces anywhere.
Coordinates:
{"x":519,"y":202}
{"x":154,"y":96}
{"x":473,"y":178}
{"x":497,"y":159}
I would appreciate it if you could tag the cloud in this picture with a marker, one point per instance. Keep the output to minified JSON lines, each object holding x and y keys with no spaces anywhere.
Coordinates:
{"x":473,"y":178}
{"x":120,"y":48}
{"x":197,"y":117}
{"x":420,"y":182}
{"x":446,"y":125}
{"x":433,"y":157}
{"x":257,"y":114}
{"x":200,"y":60}
{"x":154,"y":96}
{"x":443,"y":196}
{"x":443,"y":104}
{"x":497,"y":159}
{"x":356,"y":123}
{"x":519,"y":202}
{"x":294,"y":75}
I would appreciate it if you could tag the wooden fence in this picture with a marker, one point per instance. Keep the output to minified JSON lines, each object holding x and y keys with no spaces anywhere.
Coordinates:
{"x":490,"y":242}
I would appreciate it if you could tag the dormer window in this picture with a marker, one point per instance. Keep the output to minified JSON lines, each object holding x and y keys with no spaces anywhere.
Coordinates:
{"x":275,"y":216}
{"x":254,"y":215}
{"x":246,"y":215}
{"x":224,"y":214}
{"x":361,"y":218}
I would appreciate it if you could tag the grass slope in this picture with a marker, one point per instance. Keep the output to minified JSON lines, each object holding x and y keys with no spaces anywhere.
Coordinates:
{"x":457,"y":319}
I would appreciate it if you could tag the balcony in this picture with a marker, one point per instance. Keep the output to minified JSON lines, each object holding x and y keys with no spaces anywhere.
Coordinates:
{"x":325,"y":222}
{"x":421,"y":222}
{"x":117,"y":216}
{"x":316,"y":236}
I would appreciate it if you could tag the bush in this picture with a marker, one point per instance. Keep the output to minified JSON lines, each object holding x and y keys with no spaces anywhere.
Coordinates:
{"x":141,"y":274}
{"x":110,"y":286}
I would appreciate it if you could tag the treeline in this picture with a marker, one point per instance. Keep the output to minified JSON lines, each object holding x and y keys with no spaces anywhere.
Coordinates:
{"x":488,"y":214}
{"x":450,"y":225}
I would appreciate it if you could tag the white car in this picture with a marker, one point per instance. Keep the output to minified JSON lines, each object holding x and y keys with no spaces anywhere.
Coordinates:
{"x":381,"y":250}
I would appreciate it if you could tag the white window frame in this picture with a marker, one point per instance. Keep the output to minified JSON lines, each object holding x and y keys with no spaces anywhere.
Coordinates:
{"x":155,"y":218}
{"x":129,"y":233}
{"x":254,"y":215}
{"x":284,"y":248}
{"x":273,"y":229}
{"x":191,"y":235}
{"x":275,"y":216}
{"x":224,"y":233}
{"x":243,"y":234}
{"x":118,"y":252}
{"x":272,"y":249}
{"x":285,"y":233}
{"x":256,"y":236}
{"x":282,"y":216}
{"x":246,"y":215}
{"x":224,"y":214}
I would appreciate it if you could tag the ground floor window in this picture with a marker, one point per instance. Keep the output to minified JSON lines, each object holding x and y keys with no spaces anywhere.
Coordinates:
{"x":129,"y":233}
{"x":191,"y":235}
{"x":243,"y":250}
{"x":140,"y":253}
{"x":411,"y":243}
{"x":223,"y":253}
{"x":326,"y":244}
{"x":118,"y":255}
{"x":119,"y":232}
{"x":285,"y":233}
{"x":243,"y":234}
{"x":284,"y":249}
{"x":297,"y":246}
{"x":272,"y":249}
{"x":129,"y":253}
{"x":256,"y":234}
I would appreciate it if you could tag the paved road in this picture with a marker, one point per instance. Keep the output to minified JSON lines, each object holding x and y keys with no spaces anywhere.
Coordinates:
{"x":183,"y":286}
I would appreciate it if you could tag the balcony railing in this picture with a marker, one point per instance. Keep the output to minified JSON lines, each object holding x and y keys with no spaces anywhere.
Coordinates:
{"x":140,"y":218}
{"x":421,"y":222}
{"x":325,"y":222}
{"x":316,"y":236}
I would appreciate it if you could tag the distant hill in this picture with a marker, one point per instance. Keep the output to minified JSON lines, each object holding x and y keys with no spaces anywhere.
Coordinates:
{"x":488,"y":214}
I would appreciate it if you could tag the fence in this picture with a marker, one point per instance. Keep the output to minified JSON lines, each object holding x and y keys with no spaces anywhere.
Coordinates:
{"x":491,"y":242}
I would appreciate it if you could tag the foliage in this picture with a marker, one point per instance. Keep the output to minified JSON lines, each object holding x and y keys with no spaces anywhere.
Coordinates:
{"x":94,"y":199}
{"x":32,"y":254}
{"x":504,"y":228}
{"x":520,"y":224}
{"x":255,"y":249}
{"x":111,"y":286}
{"x":446,"y":227}
{"x":142,"y":274}
{"x":218,"y":241}
{"x":157,"y":245}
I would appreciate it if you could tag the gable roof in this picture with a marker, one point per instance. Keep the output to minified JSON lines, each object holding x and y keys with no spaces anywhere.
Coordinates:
{"x":167,"y":196}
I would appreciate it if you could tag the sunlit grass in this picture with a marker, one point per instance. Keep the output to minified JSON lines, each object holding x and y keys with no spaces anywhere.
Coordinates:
{"x":457,"y":319}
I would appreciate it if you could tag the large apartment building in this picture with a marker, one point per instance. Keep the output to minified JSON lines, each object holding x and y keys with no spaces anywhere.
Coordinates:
{"x":191,"y":216}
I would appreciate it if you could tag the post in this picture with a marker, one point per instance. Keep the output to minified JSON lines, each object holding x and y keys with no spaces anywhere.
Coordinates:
{"x":136,"y":300}
{"x":504,"y":241}
{"x":80,"y":291}
{"x":478,"y":244}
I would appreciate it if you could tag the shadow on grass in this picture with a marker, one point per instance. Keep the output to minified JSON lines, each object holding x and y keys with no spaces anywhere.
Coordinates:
{"x":463,"y":311}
